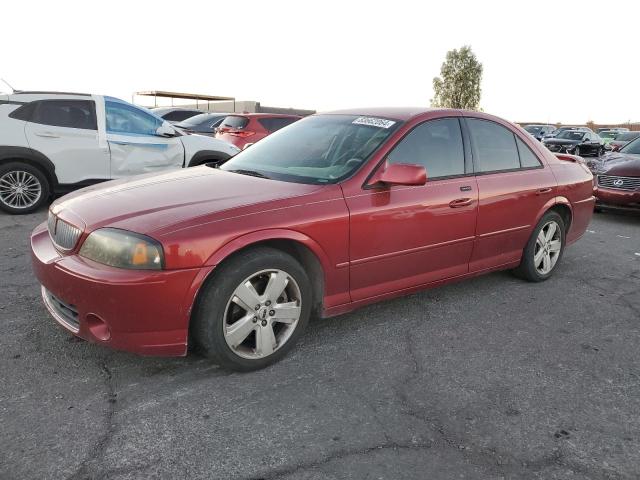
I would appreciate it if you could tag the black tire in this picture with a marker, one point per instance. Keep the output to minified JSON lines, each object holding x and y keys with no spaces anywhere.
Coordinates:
{"x":17,"y":167}
{"x":208,"y":319}
{"x":527,"y":269}
{"x":600,"y":151}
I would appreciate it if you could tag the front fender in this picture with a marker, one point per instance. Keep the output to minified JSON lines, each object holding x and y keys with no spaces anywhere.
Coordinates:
{"x":270,"y":234}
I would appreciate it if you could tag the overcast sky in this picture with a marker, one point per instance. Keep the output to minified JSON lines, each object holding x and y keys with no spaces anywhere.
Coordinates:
{"x":543,"y":60}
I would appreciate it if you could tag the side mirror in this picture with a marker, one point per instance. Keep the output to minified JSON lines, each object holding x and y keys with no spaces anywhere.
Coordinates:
{"x":400,"y":174}
{"x":165,"y":130}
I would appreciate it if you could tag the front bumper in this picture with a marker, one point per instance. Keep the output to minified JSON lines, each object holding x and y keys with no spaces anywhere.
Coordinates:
{"x":622,"y":198}
{"x":144,"y":312}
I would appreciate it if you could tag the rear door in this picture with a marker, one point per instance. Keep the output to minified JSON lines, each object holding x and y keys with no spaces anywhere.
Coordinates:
{"x":514,"y":186}
{"x":135,"y":147}
{"x":66,"y":132}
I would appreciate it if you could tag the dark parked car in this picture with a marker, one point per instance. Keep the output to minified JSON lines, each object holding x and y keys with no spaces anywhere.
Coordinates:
{"x":203,"y":124}
{"x":622,"y":139}
{"x":559,"y":130}
{"x":540,"y":131}
{"x":618,"y":177}
{"x":175,"y":114}
{"x":576,"y":142}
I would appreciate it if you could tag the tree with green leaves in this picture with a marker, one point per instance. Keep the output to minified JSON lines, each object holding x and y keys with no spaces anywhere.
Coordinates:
{"x":458,"y":85}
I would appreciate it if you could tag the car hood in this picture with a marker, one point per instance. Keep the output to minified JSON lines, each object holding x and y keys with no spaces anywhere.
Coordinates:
{"x":156,"y":203}
{"x":619,"y":164}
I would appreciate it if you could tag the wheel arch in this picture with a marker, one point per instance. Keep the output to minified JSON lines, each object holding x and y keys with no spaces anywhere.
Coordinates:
{"x":33,"y":158}
{"x":301,"y":247}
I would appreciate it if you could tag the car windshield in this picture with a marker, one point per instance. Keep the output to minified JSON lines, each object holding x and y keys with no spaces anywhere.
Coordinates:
{"x":533,"y":128}
{"x":318,"y":149}
{"x":627,"y":136}
{"x":571,"y":135}
{"x":632,"y":148}
{"x":608,"y":134}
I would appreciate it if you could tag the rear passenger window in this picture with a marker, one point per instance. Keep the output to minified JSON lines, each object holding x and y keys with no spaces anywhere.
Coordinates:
{"x":273,"y":124}
{"x":436,"y":145}
{"x":65,"y":113}
{"x":495,"y":146}
{"x":528,"y":159}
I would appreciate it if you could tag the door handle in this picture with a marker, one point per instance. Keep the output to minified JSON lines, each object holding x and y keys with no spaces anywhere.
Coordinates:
{"x":542,"y":191}
{"x":461,"y":202}
{"x":47,"y":134}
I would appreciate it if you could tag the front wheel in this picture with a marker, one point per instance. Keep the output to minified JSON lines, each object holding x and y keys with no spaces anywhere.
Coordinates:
{"x":543,"y":250}
{"x":252,"y":311}
{"x":576,"y":151}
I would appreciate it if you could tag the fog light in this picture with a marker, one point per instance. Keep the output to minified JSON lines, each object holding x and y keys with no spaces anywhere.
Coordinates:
{"x":98,"y":327}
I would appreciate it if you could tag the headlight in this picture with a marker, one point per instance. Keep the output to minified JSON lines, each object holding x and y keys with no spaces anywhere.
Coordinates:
{"x":123,"y":249}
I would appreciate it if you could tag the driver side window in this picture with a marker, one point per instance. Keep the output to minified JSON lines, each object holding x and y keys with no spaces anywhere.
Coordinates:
{"x":436,"y":145}
{"x":129,"y":120}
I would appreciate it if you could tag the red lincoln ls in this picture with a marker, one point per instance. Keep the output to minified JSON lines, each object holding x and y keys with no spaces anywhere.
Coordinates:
{"x":333,"y":212}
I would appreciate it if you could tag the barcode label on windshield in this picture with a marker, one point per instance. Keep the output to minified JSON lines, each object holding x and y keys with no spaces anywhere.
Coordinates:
{"x":374,"y":122}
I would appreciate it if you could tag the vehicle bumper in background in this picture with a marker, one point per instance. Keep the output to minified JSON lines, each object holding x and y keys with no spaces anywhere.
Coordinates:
{"x":617,"y":198}
{"x":144,"y":312}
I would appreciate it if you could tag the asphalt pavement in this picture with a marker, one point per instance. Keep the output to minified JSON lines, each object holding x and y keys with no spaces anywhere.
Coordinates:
{"x":485,"y":379}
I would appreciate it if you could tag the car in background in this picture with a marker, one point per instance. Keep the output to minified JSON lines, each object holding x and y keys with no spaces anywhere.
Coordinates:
{"x":559,"y":130}
{"x":622,"y":139}
{"x":576,"y":142}
{"x":203,"y":124}
{"x":607,"y":136}
{"x":175,"y":114}
{"x":618,"y":177}
{"x":540,"y":131}
{"x":612,"y":129}
{"x":52,"y":143}
{"x":243,"y":130}
{"x":334,"y":212}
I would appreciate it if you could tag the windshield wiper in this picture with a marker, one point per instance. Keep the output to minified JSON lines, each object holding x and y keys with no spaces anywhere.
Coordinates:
{"x":251,"y":173}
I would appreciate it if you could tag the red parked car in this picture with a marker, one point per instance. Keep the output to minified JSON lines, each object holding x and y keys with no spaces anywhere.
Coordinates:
{"x":246,"y":129}
{"x":335,"y":212}
{"x":618,"y":177}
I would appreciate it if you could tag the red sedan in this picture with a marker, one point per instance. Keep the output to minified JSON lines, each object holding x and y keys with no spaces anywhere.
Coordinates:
{"x":246,"y":129}
{"x":336,"y":211}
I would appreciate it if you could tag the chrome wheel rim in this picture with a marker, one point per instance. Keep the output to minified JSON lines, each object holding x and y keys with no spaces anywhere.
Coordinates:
{"x":262,"y":314}
{"x":577,"y":151}
{"x":548,"y":247}
{"x":20,"y":189}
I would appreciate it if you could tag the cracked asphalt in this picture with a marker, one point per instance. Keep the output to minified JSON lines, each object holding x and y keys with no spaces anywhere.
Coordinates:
{"x":487,"y":379}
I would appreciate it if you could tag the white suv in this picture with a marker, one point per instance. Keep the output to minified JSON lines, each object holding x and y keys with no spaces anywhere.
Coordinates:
{"x":52,"y":143}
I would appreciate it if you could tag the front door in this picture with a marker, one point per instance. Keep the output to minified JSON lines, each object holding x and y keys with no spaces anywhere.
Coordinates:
{"x":135,"y":147}
{"x":403,"y":236}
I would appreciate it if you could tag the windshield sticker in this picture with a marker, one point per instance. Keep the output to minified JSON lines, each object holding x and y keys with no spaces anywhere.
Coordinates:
{"x":374,"y":122}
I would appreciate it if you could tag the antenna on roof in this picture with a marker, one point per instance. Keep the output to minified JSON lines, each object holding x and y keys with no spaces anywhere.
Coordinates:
{"x":7,"y":84}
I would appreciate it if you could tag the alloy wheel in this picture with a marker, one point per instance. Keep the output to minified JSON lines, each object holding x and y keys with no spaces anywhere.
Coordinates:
{"x":548,"y":248}
{"x":20,"y":189}
{"x":262,"y":314}
{"x":577,"y":151}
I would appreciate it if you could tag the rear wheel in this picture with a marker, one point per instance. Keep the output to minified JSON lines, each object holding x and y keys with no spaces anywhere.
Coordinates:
{"x":543,"y":250}
{"x":23,"y":188}
{"x":253,"y":310}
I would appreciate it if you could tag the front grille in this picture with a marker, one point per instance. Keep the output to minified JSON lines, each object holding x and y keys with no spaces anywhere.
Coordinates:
{"x":64,"y":235}
{"x":619,"y":183}
{"x":63,"y":312}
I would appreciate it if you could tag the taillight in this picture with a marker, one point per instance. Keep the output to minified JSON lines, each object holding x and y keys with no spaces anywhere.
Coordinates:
{"x":240,"y":133}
